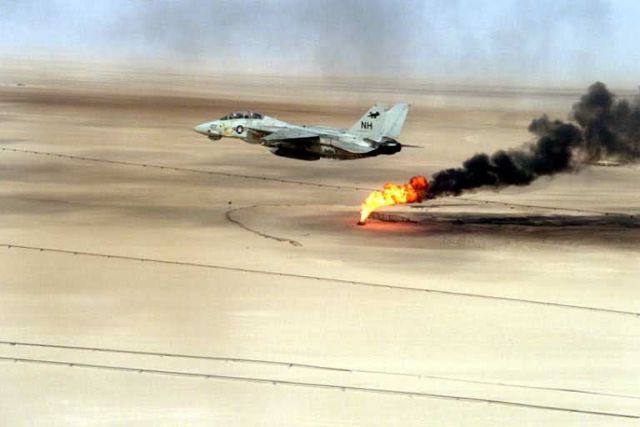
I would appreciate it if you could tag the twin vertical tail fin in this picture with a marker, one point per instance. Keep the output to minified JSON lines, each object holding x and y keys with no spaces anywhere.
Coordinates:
{"x":380,"y":122}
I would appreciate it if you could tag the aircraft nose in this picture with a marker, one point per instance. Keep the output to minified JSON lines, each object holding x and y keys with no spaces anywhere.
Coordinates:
{"x":202,"y":128}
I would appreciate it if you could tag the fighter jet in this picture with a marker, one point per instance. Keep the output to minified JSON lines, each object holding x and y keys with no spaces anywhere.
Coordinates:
{"x":374,"y":134}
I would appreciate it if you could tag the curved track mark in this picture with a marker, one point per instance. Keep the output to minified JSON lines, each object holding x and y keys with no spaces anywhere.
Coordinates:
{"x":229,"y":217}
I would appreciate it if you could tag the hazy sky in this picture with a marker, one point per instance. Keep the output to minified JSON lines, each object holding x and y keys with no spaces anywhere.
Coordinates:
{"x":526,"y":40}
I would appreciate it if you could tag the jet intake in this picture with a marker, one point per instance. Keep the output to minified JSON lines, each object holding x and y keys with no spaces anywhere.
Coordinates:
{"x":296,"y":154}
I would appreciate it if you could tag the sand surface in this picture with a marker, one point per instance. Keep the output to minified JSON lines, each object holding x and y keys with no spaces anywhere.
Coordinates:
{"x":128,"y":242}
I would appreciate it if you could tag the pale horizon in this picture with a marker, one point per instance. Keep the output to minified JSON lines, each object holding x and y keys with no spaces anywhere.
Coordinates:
{"x":555,"y":43}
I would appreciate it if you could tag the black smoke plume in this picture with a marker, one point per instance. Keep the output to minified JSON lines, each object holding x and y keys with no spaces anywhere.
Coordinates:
{"x":607,"y":128}
{"x":611,"y":128}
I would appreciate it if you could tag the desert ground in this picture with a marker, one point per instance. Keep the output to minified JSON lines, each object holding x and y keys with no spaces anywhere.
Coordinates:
{"x":152,"y":277}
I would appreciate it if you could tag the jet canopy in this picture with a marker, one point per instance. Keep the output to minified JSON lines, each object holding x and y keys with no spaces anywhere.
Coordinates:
{"x":242,"y":115}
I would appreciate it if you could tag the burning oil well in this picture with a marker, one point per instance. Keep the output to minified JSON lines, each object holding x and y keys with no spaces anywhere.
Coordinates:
{"x":605,"y":128}
{"x":392,"y":194}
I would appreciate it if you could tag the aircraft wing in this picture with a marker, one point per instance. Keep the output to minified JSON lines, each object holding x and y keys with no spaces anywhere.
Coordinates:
{"x":283,"y":134}
{"x":262,"y":131}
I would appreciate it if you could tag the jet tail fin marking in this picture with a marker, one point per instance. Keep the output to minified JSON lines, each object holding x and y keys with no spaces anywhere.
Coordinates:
{"x":379,"y":122}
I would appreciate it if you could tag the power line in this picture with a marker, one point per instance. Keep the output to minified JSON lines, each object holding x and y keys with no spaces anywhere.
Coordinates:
{"x":280,"y":180}
{"x":554,"y":208}
{"x":305,"y":366}
{"x":183,"y":169}
{"x":316,"y":385}
{"x":320,"y":278}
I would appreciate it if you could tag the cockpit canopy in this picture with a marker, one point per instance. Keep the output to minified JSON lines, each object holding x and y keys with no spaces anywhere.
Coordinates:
{"x":242,"y":115}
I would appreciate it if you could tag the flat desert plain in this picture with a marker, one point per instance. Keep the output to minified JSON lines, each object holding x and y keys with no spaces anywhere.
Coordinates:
{"x":152,"y":277}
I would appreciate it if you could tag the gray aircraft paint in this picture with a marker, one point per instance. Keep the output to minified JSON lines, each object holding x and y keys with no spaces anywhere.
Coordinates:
{"x":374,"y":134}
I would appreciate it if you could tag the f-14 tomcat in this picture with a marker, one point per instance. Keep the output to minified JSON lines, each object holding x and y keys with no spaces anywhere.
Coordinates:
{"x":374,"y":134}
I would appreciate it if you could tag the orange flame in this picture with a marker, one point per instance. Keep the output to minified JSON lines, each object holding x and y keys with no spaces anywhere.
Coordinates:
{"x":393,"y":194}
